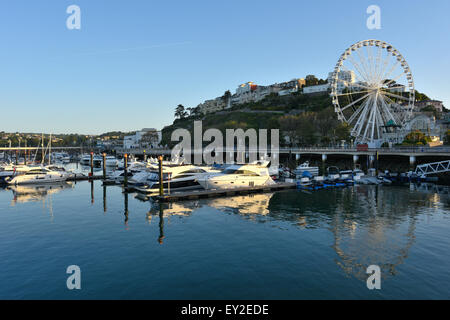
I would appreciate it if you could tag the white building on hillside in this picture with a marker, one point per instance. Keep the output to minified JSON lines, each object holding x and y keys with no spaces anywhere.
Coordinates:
{"x":146,"y":138}
{"x":213,"y":105}
{"x":346,"y":79}
{"x":320,"y":88}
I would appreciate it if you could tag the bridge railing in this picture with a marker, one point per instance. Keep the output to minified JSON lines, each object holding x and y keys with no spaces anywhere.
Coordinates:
{"x":411,"y":150}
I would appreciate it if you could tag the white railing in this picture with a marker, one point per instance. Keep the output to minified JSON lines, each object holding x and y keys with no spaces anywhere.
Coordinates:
{"x":412,"y":150}
{"x":435,"y":167}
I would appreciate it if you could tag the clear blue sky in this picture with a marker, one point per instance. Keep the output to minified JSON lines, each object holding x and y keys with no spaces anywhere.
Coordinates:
{"x":133,"y":61}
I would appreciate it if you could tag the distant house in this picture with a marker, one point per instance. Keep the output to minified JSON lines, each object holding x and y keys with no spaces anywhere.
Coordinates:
{"x":146,"y":138}
{"x":286,"y":92}
{"x":214,"y":105}
{"x":320,"y":88}
{"x":345,"y":79}
{"x":251,"y":92}
{"x":438,"y":105}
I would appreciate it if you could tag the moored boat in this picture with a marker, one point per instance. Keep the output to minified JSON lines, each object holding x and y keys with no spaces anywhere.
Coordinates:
{"x":238,"y":176}
{"x":36,"y":176}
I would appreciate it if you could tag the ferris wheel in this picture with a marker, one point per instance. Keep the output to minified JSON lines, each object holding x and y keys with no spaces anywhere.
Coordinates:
{"x":372,"y":89}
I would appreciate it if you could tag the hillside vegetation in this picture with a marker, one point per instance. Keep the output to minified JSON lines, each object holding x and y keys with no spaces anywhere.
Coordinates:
{"x":303,"y":120}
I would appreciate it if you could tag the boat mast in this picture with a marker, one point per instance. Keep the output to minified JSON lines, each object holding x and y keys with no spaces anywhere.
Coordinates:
{"x":42,"y":148}
{"x":50,"y":151}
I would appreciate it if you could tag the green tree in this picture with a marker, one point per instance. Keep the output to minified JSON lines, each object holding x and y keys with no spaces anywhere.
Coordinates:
{"x":342,"y":132}
{"x":311,"y":80}
{"x":180,"y":112}
{"x":288,"y":126}
{"x":306,"y":129}
{"x":416,"y":138}
{"x":421,"y":96}
{"x":447,"y":138}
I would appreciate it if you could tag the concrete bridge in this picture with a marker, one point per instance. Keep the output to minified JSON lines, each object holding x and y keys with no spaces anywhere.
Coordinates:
{"x":411,"y":152}
{"x":14,"y":149}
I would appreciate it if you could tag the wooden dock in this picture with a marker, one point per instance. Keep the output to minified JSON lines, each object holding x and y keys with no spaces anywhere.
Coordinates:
{"x":193,"y":195}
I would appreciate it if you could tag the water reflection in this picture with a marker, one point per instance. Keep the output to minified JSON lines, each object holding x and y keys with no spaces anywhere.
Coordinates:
{"x":369,"y":224}
{"x":92,"y":192}
{"x":125,"y":204}
{"x":161,"y":224}
{"x":36,"y":193}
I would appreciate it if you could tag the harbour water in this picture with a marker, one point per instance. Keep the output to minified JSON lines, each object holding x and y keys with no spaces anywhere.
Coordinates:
{"x":285,"y":245}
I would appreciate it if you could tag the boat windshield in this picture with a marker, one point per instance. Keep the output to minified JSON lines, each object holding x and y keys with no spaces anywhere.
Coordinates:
{"x":237,"y":171}
{"x":36,"y":172}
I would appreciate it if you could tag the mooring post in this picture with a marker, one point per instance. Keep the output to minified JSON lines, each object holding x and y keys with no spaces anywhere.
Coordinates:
{"x":104,"y":166}
{"x":161,"y":181}
{"x":125,"y":170}
{"x":17,"y":157}
{"x":91,"y":174}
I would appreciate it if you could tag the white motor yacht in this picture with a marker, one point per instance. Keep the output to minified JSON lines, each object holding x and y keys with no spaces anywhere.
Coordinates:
{"x":176,"y":178}
{"x":132,"y":168}
{"x":304,"y":167}
{"x":238,"y":176}
{"x":61,"y":156}
{"x":67,"y":174}
{"x":36,"y":176}
{"x":111,"y":161}
{"x":8,"y":171}
{"x":85,"y":159}
{"x":98,"y":160}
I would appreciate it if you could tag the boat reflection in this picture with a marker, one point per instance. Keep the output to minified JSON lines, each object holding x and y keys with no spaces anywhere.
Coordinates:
{"x":371,"y":225}
{"x":36,"y":193}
